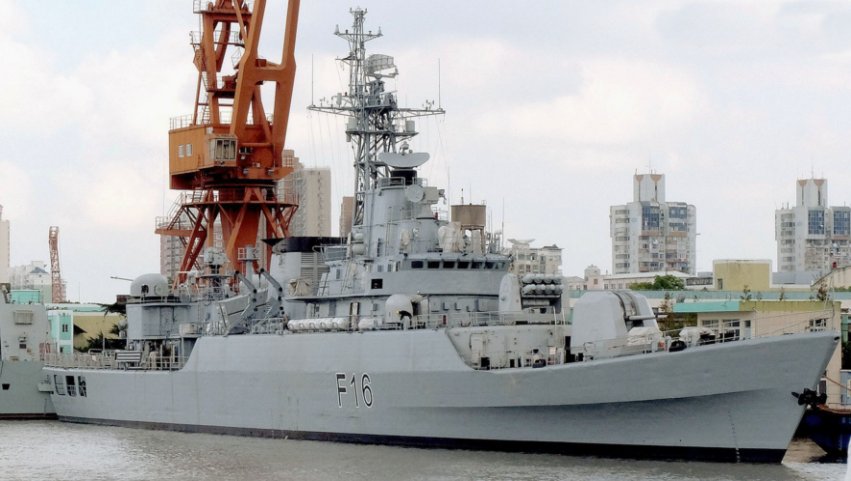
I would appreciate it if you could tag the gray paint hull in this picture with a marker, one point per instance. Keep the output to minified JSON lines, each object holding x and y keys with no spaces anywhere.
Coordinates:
{"x":730,"y":401}
{"x":22,"y":399}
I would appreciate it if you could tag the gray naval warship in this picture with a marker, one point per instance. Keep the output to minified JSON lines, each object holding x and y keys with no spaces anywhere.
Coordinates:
{"x":24,"y":341}
{"x":412,"y":330}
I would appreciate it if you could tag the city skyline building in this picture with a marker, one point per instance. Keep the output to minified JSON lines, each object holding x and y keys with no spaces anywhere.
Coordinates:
{"x":33,"y":276}
{"x":651,"y":234}
{"x":812,"y":238}
{"x":312,"y":187}
{"x":534,"y":260}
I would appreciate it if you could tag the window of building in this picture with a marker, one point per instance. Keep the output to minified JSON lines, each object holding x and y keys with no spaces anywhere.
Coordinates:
{"x":650,"y":217}
{"x":815,"y":222}
{"x":22,"y":342}
{"x":842,"y":222}
{"x":732,"y":329}
{"x":65,"y":328}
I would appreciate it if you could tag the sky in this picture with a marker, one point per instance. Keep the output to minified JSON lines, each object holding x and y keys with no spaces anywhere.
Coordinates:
{"x":552,"y":106}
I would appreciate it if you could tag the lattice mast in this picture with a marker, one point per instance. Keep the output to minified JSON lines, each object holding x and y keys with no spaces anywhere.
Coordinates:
{"x":57,"y":287}
{"x":376,"y":123}
{"x":229,"y":152}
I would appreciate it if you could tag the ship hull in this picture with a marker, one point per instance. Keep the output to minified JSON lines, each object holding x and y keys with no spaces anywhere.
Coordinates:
{"x":727,"y":402}
{"x":830,"y":429}
{"x":20,"y":397}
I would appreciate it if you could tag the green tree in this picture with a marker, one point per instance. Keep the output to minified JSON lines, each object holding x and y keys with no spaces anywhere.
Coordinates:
{"x":660,"y":283}
{"x":668,"y":283}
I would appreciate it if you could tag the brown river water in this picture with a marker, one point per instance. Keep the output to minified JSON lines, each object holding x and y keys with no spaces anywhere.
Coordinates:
{"x":50,"y":450}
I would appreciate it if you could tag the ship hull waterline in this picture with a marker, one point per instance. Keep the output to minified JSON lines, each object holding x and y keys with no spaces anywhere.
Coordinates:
{"x":728,"y":402}
{"x":20,"y":397}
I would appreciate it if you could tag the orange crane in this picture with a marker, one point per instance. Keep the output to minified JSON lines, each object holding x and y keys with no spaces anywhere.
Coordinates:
{"x":56,"y":286}
{"x":229,"y":153}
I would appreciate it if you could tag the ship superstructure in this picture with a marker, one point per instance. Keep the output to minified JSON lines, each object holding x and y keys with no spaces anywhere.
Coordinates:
{"x":411,"y":330}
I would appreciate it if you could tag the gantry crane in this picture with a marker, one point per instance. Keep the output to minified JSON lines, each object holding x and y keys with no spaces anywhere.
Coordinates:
{"x":229,"y":153}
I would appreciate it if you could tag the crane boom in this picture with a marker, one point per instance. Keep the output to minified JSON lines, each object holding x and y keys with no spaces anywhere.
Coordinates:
{"x":56,"y":285}
{"x":229,"y":151}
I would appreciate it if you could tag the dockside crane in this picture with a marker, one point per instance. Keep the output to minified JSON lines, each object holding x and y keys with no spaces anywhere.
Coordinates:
{"x":57,"y":287}
{"x":229,"y":152}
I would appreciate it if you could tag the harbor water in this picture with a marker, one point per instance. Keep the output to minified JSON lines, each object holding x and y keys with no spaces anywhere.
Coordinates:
{"x":49,"y":450}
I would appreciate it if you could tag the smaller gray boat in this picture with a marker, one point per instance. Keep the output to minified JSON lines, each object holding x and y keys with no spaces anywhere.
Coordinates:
{"x":24,"y":340}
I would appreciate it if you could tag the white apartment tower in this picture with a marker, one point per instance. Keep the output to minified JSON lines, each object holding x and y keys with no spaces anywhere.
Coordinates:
{"x":812,"y":237}
{"x":650,"y":234}
{"x":5,"y":249}
{"x":313,"y":188}
{"x":534,"y":260}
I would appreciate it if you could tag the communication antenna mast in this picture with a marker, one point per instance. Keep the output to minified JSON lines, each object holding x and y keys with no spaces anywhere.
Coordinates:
{"x":229,"y":153}
{"x":376,"y":123}
{"x":56,"y":285}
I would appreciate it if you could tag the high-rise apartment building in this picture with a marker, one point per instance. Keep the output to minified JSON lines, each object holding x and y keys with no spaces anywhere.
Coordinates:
{"x":526,"y":259}
{"x":5,"y":249}
{"x":650,"y":234}
{"x":313,"y":188}
{"x":812,"y":237}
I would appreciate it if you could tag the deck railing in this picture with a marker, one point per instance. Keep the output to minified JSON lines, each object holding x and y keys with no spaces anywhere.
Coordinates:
{"x":113,"y":360}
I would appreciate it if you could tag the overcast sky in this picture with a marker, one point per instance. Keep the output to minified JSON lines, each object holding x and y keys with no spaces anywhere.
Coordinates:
{"x":552,"y":106}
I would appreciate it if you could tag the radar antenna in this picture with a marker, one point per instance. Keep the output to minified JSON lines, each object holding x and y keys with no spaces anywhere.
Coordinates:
{"x":376,"y":123}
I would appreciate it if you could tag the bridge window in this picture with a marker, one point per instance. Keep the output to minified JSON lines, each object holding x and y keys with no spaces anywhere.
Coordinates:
{"x":70,"y":385}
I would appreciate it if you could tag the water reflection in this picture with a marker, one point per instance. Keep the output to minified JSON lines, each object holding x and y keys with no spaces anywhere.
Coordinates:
{"x":50,"y":450}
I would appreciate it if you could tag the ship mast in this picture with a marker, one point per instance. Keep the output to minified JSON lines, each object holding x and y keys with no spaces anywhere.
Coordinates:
{"x":376,"y":123}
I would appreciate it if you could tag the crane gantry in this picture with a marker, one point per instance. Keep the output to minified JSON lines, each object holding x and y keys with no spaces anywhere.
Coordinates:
{"x":229,"y":152}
